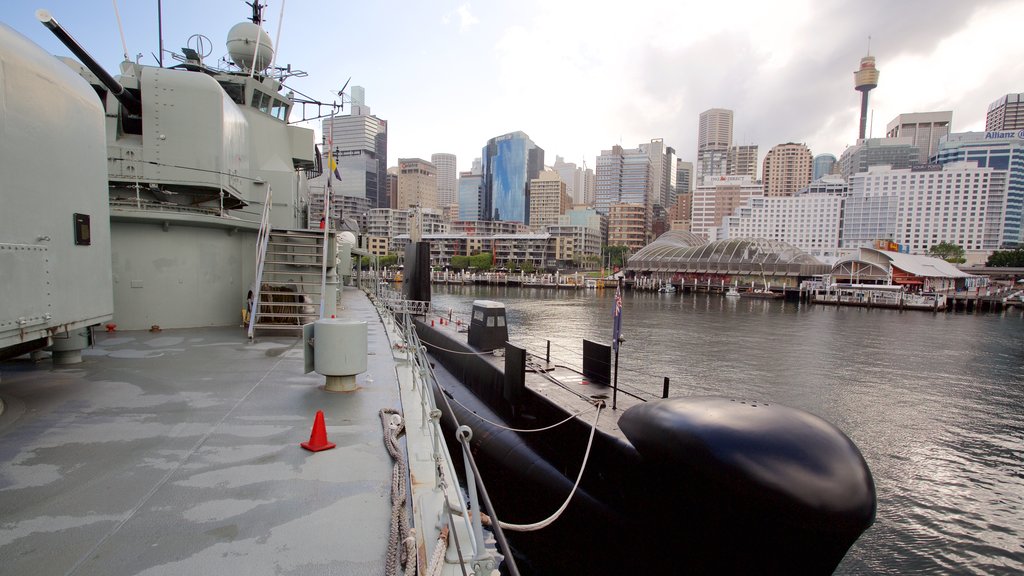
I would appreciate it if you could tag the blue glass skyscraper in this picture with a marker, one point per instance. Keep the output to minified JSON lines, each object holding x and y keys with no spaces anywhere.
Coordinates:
{"x":510,"y":161}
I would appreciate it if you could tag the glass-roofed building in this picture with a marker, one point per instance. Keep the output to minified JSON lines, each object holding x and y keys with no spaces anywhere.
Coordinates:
{"x":684,"y":257}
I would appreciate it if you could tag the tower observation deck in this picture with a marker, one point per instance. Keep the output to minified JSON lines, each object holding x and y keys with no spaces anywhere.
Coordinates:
{"x":864,"y":80}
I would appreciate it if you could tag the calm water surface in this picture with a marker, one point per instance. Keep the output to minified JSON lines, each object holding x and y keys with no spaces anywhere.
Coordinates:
{"x":935,"y":402}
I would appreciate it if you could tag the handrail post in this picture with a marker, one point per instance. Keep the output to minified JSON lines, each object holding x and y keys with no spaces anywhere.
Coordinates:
{"x":465,"y":433}
{"x":664,"y":388}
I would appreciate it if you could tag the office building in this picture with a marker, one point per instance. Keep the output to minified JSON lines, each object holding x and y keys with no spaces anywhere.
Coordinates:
{"x":684,"y":177}
{"x":417,"y":184}
{"x":717,"y":198}
{"x":510,"y":161}
{"x":823,"y":165}
{"x":714,"y":138}
{"x":628,"y":226}
{"x":548,"y":200}
{"x":359,"y":143}
{"x":787,"y":169}
{"x":471,"y":188}
{"x":1006,"y":113}
{"x":924,"y":129}
{"x":447,"y":186}
{"x":896,"y":152}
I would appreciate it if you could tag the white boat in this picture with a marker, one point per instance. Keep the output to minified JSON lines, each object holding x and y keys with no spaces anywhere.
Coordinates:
{"x":667,"y":289}
{"x":732,"y":292}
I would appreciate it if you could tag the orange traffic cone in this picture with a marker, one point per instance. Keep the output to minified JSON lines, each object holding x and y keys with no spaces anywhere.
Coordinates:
{"x":318,"y":438}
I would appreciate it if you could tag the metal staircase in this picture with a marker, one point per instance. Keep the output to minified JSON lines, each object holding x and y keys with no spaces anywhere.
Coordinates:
{"x":291,"y":280}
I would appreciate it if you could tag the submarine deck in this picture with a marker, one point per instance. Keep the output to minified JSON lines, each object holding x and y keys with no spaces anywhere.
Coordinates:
{"x":178,"y":453}
{"x":563,"y":386}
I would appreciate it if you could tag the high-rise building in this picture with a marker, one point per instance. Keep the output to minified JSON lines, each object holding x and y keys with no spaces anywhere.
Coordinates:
{"x":447,"y":190}
{"x":895,"y":152}
{"x":548,"y":200}
{"x":923,"y":128}
{"x":392,"y":187}
{"x":417,"y":184}
{"x":663,"y":177}
{"x":1006,"y":113}
{"x":1001,"y":151}
{"x":717,"y":198}
{"x":823,"y":165}
{"x":624,"y":176}
{"x":573,"y":177}
{"x":787,"y":169}
{"x":359,"y":142}
{"x":917,"y":208}
{"x":510,"y":161}
{"x":714,"y":138}
{"x":684,"y":177}
{"x":470,"y":192}
{"x":742,"y":161}
{"x":865,"y":79}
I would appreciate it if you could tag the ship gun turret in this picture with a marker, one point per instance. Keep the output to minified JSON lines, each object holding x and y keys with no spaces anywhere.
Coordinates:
{"x":126,"y":98}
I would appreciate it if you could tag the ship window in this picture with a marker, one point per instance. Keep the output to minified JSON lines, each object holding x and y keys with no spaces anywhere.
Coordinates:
{"x":478,"y":316}
{"x":261,"y":101}
{"x":490,"y":321}
{"x":235,"y":91}
{"x":501,"y":320}
{"x":279,"y":109}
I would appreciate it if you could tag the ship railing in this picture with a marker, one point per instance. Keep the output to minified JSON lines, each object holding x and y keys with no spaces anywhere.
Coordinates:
{"x":424,"y":382}
{"x":262,"y":240}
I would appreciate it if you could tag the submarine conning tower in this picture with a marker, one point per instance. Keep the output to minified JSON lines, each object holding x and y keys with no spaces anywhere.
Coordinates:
{"x":487,"y":327}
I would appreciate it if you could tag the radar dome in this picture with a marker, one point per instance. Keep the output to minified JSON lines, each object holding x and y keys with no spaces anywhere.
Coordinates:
{"x":242,"y":46}
{"x":347,"y":237}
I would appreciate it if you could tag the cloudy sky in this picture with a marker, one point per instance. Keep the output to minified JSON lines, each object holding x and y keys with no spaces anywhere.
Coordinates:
{"x":579,"y":76}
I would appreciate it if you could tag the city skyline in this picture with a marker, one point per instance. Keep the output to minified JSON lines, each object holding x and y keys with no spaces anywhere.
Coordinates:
{"x":451,"y":75}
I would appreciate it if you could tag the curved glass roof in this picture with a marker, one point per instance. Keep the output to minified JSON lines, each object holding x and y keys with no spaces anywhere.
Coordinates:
{"x":677,"y":249}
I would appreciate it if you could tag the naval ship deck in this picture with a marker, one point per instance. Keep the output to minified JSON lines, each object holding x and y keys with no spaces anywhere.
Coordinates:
{"x":177,"y":452}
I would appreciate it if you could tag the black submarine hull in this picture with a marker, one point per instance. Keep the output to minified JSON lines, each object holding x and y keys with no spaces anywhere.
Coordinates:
{"x":703,"y":485}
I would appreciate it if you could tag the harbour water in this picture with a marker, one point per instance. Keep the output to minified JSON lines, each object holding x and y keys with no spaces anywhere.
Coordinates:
{"x":935,"y":402}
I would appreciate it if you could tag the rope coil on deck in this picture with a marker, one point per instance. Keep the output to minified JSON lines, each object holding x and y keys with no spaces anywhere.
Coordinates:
{"x":401,"y":555}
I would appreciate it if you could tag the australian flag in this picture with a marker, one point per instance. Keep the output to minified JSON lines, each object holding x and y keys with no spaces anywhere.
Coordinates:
{"x":617,"y":318}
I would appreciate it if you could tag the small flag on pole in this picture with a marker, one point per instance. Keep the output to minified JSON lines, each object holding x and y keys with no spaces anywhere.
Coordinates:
{"x":617,"y":317}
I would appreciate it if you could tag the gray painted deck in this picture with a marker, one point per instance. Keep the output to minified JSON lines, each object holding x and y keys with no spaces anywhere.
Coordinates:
{"x":177,"y":452}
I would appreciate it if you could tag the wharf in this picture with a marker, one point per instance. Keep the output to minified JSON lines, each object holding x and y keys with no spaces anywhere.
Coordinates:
{"x":177,"y":452}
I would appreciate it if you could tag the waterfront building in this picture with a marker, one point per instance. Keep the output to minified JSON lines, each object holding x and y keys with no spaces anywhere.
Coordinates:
{"x":823,"y":165}
{"x":714,"y":139}
{"x":471,"y":187}
{"x":999,"y":150}
{"x":548,"y":200}
{"x":1006,"y":113}
{"x":628,"y":225}
{"x":417,"y":184}
{"x":917,"y":208}
{"x":717,"y":198}
{"x":576,"y":245}
{"x":679,"y":216}
{"x":915,"y":273}
{"x":359,"y":143}
{"x":684,"y":177}
{"x":896,"y":152}
{"x":510,"y":161}
{"x":488,"y":227}
{"x":811,"y":222}
{"x":742,"y":161}
{"x":383,"y":225}
{"x":685,"y":257}
{"x":587,"y":217}
{"x":923,"y":128}
{"x":447,"y":189}
{"x":787,"y":169}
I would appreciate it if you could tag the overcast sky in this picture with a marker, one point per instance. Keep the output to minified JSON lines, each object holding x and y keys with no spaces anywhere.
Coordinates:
{"x":579,"y":76}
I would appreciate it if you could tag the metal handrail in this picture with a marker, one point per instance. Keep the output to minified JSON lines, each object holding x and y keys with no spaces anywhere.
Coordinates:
{"x":262,"y":239}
